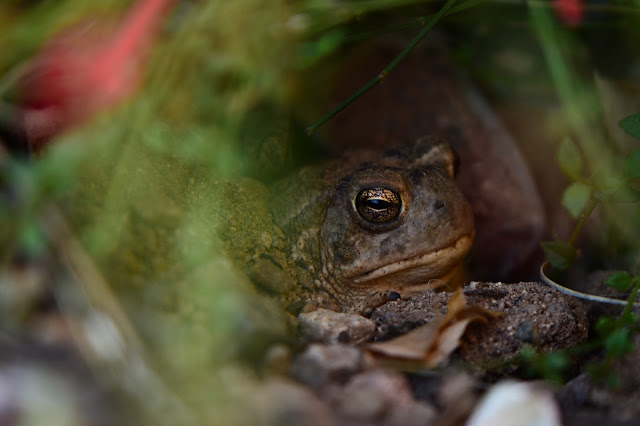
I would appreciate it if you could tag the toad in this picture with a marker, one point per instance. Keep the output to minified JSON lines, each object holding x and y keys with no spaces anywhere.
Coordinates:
{"x":346,"y":235}
{"x":373,"y":226}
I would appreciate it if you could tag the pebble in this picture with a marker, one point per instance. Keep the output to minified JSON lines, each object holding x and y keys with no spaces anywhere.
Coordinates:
{"x":320,"y":364}
{"x":323,"y":325}
{"x":372,"y":395}
{"x":285,"y":403}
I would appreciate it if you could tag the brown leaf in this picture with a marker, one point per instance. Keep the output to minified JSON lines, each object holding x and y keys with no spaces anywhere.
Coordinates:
{"x":455,"y":305}
{"x":432,"y":343}
{"x":447,"y":342}
{"x":411,"y":346}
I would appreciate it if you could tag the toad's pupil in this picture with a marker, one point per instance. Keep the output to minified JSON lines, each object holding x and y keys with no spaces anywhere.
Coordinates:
{"x":378,"y":204}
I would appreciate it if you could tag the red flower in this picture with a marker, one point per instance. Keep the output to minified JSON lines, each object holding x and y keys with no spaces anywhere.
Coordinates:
{"x":569,"y":12}
{"x":86,"y":70}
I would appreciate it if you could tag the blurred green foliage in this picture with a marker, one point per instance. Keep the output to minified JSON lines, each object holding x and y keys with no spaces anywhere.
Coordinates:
{"x":552,"y":366}
{"x":152,"y":187}
{"x":157,"y":190}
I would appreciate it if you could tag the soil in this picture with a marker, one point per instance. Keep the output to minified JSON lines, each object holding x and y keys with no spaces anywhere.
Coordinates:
{"x":359,"y":389}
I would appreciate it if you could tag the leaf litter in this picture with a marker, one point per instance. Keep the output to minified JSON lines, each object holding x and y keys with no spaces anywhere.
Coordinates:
{"x":431,"y":344}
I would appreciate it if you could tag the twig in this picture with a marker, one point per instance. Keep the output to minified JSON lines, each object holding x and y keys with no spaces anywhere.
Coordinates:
{"x":592,"y":203}
{"x":311,"y":129}
{"x":137,"y":376}
{"x":96,"y":290}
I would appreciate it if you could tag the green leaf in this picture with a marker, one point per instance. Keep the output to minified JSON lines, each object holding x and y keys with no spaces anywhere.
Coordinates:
{"x":575,"y":197}
{"x":570,"y":159}
{"x":631,"y":125}
{"x":619,"y":343}
{"x":621,"y":281}
{"x":32,"y":238}
{"x":605,"y":326}
{"x":613,"y":380}
{"x":528,"y":354}
{"x":632,"y":165}
{"x":557,"y":361}
{"x":623,"y":195}
{"x":550,"y":365}
{"x":606,"y":180}
{"x":628,"y":318}
{"x":313,"y":51}
{"x":559,"y":254}
{"x":56,"y":172}
{"x":602,"y":373}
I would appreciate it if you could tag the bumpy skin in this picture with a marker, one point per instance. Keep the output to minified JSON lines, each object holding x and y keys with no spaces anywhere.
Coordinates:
{"x":302,"y":240}
{"x":342,"y":260}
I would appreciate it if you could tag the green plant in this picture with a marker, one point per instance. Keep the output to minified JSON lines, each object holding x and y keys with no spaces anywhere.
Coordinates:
{"x":613,"y":335}
{"x":377,"y":79}
{"x":587,"y":192}
{"x":600,"y":179}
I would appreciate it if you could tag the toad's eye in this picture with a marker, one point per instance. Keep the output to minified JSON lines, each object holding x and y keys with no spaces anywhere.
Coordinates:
{"x":378,"y":205}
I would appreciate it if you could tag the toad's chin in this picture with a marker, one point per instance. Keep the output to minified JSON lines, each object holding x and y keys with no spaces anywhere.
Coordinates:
{"x":436,"y":268}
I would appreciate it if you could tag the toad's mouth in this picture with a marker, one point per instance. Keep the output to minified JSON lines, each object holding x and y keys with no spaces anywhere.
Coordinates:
{"x":431,"y":265}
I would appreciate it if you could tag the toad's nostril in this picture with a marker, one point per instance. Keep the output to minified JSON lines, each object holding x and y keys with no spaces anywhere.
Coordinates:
{"x":439,"y":204}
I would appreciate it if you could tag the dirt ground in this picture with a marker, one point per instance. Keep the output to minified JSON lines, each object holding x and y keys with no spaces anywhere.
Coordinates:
{"x":358,"y":388}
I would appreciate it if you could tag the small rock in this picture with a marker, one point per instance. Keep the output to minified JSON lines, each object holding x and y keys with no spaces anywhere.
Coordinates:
{"x":320,"y":364}
{"x":524,"y":332}
{"x":373,"y":395}
{"x":42,"y":384}
{"x":277,"y":360}
{"x":418,"y":414}
{"x":362,"y":404}
{"x":455,"y":388}
{"x":578,"y":390}
{"x":283,"y":403}
{"x":456,"y":396}
{"x":323,"y":325}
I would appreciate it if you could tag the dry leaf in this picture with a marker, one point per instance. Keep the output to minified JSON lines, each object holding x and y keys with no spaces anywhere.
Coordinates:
{"x":447,"y":342}
{"x":455,"y":305}
{"x":432,"y":343}
{"x":411,"y":346}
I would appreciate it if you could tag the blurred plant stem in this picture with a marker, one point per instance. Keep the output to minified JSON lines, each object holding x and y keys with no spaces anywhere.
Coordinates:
{"x":412,"y":44}
{"x":577,"y":96}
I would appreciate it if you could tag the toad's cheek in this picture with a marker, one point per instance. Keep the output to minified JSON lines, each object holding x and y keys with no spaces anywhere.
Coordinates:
{"x":419,"y":272}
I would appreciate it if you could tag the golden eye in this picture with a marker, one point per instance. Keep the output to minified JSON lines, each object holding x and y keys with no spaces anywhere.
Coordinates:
{"x":378,"y":205}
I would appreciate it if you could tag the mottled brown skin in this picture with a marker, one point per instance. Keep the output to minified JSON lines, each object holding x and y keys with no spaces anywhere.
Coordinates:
{"x":347,"y":262}
{"x":303,"y":239}
{"x":428,"y":93}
